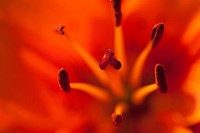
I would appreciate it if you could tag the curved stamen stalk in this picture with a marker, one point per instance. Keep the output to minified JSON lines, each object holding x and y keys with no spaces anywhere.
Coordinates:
{"x":140,"y":94}
{"x":136,"y":72}
{"x":97,"y":92}
{"x":160,"y":84}
{"x":92,"y":90}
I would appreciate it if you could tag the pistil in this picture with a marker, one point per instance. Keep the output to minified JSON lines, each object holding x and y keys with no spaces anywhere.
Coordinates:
{"x":110,"y":65}
{"x":119,"y":48}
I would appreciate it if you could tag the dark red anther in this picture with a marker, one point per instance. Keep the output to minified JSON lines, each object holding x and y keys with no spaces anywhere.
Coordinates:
{"x":63,"y":80}
{"x":60,"y":29}
{"x":160,"y":78}
{"x":117,"y":9}
{"x":195,"y":128}
{"x":117,"y":119}
{"x":109,"y":58}
{"x":157,"y":33}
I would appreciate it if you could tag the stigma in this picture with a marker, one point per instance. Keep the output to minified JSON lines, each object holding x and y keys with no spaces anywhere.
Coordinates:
{"x":109,"y":59}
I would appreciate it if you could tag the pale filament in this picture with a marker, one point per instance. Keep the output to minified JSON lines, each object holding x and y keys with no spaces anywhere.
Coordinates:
{"x":92,"y":90}
{"x":136,"y":72}
{"x":120,"y":49}
{"x":140,"y":94}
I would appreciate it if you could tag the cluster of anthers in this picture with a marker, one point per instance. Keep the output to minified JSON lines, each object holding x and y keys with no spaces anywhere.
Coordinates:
{"x":112,"y":71}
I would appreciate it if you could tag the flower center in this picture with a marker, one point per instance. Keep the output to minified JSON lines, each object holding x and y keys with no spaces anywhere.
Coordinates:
{"x":112,"y":71}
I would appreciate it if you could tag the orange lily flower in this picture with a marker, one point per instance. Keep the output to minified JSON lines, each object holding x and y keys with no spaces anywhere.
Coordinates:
{"x":96,"y":66}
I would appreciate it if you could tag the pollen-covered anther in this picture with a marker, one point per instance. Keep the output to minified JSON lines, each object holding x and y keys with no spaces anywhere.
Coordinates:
{"x":157,"y":33}
{"x":117,"y":9}
{"x":60,"y":29}
{"x":160,"y":78}
{"x":117,"y":119}
{"x":63,"y":80}
{"x":109,"y":58}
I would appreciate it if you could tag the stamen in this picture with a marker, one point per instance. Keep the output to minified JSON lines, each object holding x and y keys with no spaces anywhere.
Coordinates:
{"x":136,"y":73}
{"x":157,"y":33}
{"x":139,"y":95}
{"x":92,"y":90}
{"x":120,"y":49}
{"x":114,"y":77}
{"x":63,"y":80}
{"x":109,"y":58}
{"x":117,"y":9}
{"x":160,"y":78}
{"x":117,"y":119}
{"x":88,"y":59}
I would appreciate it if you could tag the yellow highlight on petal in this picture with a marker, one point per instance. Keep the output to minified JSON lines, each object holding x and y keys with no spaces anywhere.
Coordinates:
{"x":37,"y":62}
{"x":139,"y":95}
{"x":92,"y":90}
{"x":129,"y":6}
{"x":24,"y":116}
{"x":179,"y":129}
{"x":191,"y":85}
{"x":193,"y":29}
